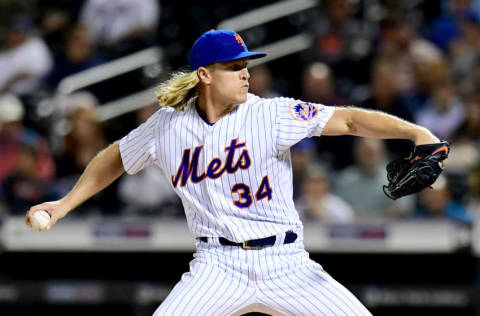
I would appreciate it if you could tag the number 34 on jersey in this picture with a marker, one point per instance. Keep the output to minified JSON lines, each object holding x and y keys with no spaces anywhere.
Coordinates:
{"x":188,"y":170}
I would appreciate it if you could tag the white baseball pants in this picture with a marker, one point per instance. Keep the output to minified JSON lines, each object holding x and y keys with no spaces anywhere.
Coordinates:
{"x":278,"y":280}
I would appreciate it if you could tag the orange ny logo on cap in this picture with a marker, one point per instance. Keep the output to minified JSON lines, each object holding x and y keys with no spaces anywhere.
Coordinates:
{"x":239,"y":39}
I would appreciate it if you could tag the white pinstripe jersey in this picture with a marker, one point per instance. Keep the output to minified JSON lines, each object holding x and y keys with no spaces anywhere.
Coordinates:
{"x":234,"y":177}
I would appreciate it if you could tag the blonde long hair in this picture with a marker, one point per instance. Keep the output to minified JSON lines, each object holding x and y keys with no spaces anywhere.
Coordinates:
{"x":178,"y":90}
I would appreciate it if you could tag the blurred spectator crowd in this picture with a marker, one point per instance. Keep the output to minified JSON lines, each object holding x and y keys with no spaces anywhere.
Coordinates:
{"x":419,"y":60}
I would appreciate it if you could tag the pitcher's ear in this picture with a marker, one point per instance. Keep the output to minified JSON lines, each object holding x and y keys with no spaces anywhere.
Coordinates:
{"x":204,"y":75}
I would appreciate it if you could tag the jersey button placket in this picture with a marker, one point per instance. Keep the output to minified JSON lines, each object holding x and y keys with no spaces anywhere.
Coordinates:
{"x":209,"y":150}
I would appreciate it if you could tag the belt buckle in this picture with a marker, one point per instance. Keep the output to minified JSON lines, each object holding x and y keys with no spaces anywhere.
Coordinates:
{"x":246,"y":246}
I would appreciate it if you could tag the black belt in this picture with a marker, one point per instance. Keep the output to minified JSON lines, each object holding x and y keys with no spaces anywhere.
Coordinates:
{"x":256,"y":243}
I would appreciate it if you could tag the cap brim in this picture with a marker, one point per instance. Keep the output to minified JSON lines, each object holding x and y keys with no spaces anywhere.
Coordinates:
{"x":242,"y":55}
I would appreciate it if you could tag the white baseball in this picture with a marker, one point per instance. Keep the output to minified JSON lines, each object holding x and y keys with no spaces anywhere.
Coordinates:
{"x":40,"y":220}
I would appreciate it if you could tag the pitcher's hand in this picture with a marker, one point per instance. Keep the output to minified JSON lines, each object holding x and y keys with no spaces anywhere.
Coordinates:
{"x":55,"y":208}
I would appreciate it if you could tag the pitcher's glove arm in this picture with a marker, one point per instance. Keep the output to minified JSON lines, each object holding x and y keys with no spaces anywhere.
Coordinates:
{"x":419,"y":170}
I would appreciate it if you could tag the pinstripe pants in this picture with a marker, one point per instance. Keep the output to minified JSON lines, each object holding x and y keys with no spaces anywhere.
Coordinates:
{"x":278,"y":280}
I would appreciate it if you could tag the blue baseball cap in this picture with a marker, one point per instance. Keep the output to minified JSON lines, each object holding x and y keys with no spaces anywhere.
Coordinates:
{"x":217,"y":46}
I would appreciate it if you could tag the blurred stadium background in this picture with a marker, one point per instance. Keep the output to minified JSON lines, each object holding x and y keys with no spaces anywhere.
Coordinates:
{"x":76,"y":75}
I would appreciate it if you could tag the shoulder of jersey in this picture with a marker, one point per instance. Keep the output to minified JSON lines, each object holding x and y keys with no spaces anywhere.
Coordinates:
{"x":255,"y":100}
{"x":164,"y":111}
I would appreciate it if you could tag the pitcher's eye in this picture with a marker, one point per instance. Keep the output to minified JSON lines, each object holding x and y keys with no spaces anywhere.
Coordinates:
{"x":238,"y":66}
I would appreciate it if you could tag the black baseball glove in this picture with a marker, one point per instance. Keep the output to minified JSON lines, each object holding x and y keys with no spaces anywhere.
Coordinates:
{"x":414,"y":173}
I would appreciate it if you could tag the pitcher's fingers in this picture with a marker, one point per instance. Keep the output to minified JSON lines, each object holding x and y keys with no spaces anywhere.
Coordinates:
{"x":27,"y":219}
{"x":44,"y":206}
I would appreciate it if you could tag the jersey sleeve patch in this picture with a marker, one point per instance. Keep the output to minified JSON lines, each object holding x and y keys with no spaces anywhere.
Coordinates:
{"x":303,"y":111}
